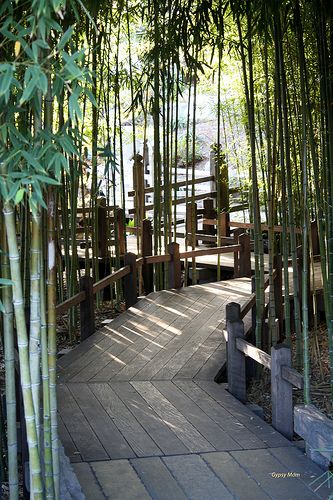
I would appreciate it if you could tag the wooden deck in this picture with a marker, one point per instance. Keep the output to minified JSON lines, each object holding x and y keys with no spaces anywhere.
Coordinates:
{"x":140,"y":416}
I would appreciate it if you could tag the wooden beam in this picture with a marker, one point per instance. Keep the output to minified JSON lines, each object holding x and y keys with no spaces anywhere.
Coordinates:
{"x":236,"y":359}
{"x":253,"y":352}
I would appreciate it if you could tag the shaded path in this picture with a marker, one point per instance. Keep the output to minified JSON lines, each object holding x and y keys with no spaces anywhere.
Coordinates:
{"x":141,"y":418}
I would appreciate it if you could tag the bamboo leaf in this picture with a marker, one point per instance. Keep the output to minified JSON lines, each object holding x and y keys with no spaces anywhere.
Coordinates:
{"x":19,"y":196}
{"x":65,"y":38}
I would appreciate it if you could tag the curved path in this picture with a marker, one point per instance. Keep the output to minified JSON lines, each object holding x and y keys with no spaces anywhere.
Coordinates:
{"x":140,"y":416}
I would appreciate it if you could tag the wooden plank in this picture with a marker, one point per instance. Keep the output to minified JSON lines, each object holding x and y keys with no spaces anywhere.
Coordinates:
{"x":181,"y":308}
{"x":131,"y":429}
{"x":153,"y":424}
{"x":234,"y":477}
{"x":192,"y":439}
{"x":103,"y":426}
{"x":202,"y":311}
{"x":219,"y":439}
{"x":85,"y":346}
{"x":253,"y":352}
{"x":194,"y":337}
{"x":124,"y":335}
{"x":157,"y":479}
{"x":80,"y":431}
{"x":227,"y":422}
{"x":262,"y":466}
{"x":144,"y":333}
{"x":201,"y":356}
{"x":88,"y":482}
{"x":95,"y":347}
{"x":196,"y":478}
{"x":213,"y":365}
{"x":292,"y":376}
{"x":119,"y":481}
{"x":250,"y":420}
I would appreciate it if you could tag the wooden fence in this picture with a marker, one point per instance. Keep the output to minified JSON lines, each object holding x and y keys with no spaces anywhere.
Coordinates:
{"x":283,"y":376}
{"x":128,"y":273}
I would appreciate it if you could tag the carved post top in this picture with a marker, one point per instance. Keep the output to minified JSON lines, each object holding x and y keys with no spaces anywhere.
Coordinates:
{"x":233,"y":311}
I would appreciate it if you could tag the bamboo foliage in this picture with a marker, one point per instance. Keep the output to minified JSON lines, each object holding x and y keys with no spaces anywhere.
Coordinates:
{"x":145,"y":62}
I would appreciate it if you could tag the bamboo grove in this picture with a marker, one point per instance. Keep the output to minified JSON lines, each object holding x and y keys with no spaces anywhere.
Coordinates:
{"x":73,"y":76}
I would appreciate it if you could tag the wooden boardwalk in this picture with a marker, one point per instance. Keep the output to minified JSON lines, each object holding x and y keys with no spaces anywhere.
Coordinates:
{"x":140,"y":416}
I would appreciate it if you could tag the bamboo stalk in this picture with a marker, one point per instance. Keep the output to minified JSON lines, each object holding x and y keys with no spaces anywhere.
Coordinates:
{"x":8,"y":338}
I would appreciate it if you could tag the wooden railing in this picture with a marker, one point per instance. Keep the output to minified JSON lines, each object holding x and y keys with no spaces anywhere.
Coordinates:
{"x":283,"y":376}
{"x":128,"y":273}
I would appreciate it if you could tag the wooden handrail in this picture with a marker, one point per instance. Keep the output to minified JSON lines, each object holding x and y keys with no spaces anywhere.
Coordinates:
{"x":71,"y":302}
{"x":253,"y":352}
{"x":247,"y":306}
{"x":210,"y":251}
{"x":179,"y":201}
{"x":176,"y":185}
{"x":248,"y":225}
{"x":112,"y":278}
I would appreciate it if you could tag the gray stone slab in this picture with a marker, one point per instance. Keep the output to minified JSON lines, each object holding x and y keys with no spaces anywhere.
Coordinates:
{"x":88,"y":481}
{"x":311,"y":474}
{"x":157,"y":479}
{"x":119,"y":481}
{"x":234,"y":477}
{"x":196,"y":478}
{"x":276,"y":479}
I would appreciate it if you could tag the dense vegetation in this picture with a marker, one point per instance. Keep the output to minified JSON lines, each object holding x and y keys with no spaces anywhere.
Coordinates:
{"x":72,"y":74}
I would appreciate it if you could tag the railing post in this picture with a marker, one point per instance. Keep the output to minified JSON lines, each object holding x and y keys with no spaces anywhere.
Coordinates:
{"x":102,"y":228}
{"x":130,"y":281}
{"x":245,"y":255}
{"x":281,"y":391}
{"x":87,"y":310}
{"x":174,"y":266}
{"x":315,"y":238}
{"x":223,"y":221}
{"x":209,"y":213}
{"x":147,"y":249}
{"x":191,"y":223}
{"x":120,"y":221}
{"x":236,"y":359}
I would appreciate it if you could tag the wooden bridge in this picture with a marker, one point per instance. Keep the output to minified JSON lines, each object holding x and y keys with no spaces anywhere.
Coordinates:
{"x":141,"y":417}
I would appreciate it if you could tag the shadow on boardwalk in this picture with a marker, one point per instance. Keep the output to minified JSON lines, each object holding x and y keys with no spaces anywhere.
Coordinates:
{"x":140,"y":417}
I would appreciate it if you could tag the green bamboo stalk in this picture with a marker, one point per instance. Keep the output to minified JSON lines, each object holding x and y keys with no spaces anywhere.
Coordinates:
{"x":35,"y":333}
{"x":23,"y":344}
{"x":52,"y":337}
{"x":47,"y":438}
{"x":9,"y":351}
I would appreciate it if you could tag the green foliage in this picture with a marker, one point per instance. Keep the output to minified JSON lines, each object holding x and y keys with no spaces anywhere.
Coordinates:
{"x":33,"y":78}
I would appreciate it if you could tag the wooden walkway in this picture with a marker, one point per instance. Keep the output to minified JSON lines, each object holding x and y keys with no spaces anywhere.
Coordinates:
{"x":140,"y":416}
